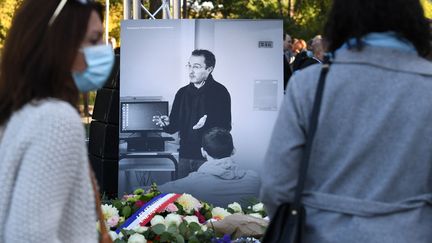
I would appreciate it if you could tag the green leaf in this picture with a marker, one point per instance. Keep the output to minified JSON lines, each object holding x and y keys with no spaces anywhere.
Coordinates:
{"x":166,"y":237}
{"x":180,"y":209}
{"x":126,"y":232}
{"x":158,"y":229}
{"x":117,"y":204}
{"x":172,"y":229}
{"x":208,"y":215}
{"x":194,"y":227}
{"x":131,"y":200}
{"x":179,"y":238}
{"x":193,"y":239}
{"x":147,"y":197}
{"x":126,"y":212}
{"x":147,"y":234}
{"x":138,"y":191}
{"x":119,"y":241}
{"x":183,"y":229}
{"x":150,"y":234}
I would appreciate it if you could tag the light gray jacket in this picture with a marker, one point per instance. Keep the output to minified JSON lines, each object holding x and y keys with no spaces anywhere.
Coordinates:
{"x":219,"y":182}
{"x":370,"y":175}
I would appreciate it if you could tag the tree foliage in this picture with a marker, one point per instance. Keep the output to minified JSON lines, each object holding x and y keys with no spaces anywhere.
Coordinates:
{"x":427,"y":5}
{"x":7,"y":10}
{"x":302,"y":18}
{"x":8,"y":7}
{"x":115,"y":17}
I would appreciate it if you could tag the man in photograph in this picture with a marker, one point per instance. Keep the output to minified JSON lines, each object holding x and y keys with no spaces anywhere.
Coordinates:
{"x":198,"y":106}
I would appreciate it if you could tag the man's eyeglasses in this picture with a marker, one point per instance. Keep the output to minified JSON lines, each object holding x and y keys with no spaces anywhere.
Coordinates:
{"x":194,"y":67}
{"x":59,"y":8}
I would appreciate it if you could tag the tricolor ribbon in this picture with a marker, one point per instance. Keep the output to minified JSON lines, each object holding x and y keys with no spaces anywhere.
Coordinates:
{"x":143,"y":215}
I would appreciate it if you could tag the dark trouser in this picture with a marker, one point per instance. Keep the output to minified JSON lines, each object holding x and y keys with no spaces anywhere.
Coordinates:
{"x":187,"y":166}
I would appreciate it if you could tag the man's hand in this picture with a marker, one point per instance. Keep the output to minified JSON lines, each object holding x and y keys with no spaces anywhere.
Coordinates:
{"x":200,"y":123}
{"x":161,"y":121}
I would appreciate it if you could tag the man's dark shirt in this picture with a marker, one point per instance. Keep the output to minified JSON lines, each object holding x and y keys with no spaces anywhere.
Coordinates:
{"x":190,"y":104}
{"x":287,"y":71}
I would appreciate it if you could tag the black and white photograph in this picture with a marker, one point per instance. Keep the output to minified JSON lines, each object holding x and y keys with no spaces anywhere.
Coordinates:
{"x":194,"y":91}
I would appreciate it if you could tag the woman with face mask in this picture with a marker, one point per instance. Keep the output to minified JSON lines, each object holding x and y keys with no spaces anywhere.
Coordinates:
{"x":53,"y":51}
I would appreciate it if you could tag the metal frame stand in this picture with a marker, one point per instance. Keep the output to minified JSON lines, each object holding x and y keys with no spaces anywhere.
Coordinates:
{"x":137,"y":6}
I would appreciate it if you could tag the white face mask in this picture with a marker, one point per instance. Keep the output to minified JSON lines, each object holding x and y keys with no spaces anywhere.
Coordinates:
{"x":100,"y":61}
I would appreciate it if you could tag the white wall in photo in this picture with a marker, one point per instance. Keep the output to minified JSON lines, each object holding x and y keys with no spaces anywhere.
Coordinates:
{"x":153,"y":56}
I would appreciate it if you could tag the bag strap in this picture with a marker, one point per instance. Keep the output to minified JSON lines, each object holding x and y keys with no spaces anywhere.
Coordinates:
{"x":104,"y":237}
{"x":312,"y":128}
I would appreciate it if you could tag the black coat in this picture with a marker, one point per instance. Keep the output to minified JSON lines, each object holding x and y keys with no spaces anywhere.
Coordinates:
{"x":190,"y":104}
{"x":302,"y":60}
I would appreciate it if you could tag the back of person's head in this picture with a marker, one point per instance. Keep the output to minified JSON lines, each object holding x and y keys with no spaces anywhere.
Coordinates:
{"x":356,"y":18}
{"x":318,"y":47}
{"x":309,"y":45}
{"x":299,"y":45}
{"x":209,"y":57}
{"x":37,"y":57}
{"x":218,"y":143}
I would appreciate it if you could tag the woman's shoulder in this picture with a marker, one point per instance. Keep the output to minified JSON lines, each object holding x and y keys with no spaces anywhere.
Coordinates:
{"x":305,"y":80}
{"x":54,"y":106}
{"x":47,"y":115}
{"x":48,"y":110}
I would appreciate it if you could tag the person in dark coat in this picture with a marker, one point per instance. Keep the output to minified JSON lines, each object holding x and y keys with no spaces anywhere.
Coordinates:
{"x":302,"y":60}
{"x":202,"y":104}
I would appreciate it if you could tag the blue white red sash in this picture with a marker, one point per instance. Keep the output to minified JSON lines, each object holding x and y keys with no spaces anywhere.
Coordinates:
{"x":143,"y":215}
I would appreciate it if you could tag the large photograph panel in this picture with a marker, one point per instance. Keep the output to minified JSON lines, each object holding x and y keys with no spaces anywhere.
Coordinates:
{"x":164,"y":61}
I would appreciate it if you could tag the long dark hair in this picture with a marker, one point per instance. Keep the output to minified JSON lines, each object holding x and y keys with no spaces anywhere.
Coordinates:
{"x":37,"y":58}
{"x":356,"y":18}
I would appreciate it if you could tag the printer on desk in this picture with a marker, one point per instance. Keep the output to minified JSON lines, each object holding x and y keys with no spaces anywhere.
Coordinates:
{"x":146,"y":143}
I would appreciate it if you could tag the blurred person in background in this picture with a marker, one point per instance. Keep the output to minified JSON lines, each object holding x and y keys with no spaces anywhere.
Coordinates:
{"x":288,"y":57}
{"x":317,"y":47}
{"x":287,"y":47}
{"x":369,"y":178}
{"x":298,"y":46}
{"x":53,"y":51}
{"x":304,"y":56}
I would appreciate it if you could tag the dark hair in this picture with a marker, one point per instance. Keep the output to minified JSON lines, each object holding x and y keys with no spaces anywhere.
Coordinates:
{"x":209,"y":57}
{"x":218,"y":143}
{"x":356,"y":18}
{"x":37,"y":59}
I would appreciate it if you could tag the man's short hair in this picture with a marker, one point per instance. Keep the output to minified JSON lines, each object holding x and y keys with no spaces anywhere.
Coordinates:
{"x":209,"y":57}
{"x":218,"y":143}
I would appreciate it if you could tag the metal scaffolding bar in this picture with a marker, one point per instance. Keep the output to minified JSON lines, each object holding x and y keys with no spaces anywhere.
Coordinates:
{"x":177,"y":9}
{"x":106,"y":21}
{"x":136,"y":5}
{"x":126,"y":9}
